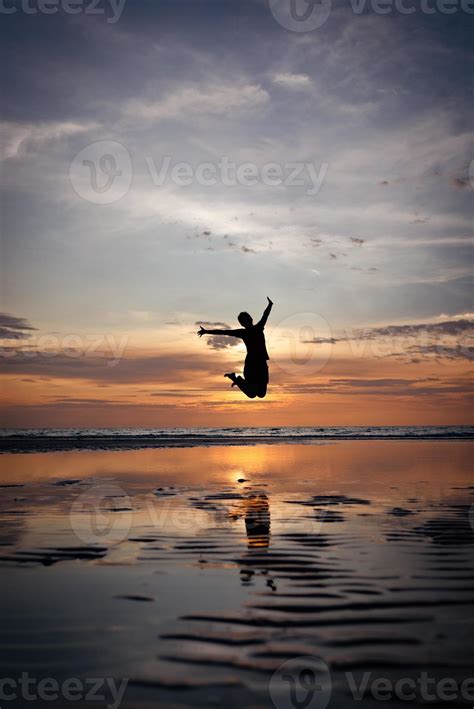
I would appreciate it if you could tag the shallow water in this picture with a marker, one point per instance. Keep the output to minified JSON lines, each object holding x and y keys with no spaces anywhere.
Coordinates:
{"x":194,"y":574}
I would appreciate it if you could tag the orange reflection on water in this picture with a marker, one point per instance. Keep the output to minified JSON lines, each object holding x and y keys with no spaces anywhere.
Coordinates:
{"x":367,"y":464}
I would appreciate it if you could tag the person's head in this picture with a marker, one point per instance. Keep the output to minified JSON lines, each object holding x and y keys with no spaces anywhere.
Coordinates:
{"x":245,"y":319}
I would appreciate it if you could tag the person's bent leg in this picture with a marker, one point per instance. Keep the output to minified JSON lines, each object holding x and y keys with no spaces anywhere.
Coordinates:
{"x":246,"y":387}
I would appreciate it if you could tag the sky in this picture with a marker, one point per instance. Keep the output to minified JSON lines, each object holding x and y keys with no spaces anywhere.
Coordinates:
{"x":166,"y":164}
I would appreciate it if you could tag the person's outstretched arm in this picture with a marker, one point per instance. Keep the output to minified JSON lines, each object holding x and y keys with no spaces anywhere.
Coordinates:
{"x":263,"y":320}
{"x":232,"y":333}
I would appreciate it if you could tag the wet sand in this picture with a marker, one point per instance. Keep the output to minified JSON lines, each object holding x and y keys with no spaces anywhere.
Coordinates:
{"x":194,"y":574}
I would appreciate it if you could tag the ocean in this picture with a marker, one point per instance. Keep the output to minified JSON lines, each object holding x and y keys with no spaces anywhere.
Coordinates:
{"x":43,"y":439}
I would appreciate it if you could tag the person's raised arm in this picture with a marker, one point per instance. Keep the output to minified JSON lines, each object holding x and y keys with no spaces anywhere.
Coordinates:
{"x":232,"y":333}
{"x":263,"y":320}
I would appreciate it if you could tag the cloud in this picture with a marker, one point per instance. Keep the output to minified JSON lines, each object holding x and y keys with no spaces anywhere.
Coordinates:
{"x":447,"y":339}
{"x":13,"y":328}
{"x":393,"y":387}
{"x":444,"y":351}
{"x":292,"y":81}
{"x":129,"y":370}
{"x":217,"y":100}
{"x":460,"y":183}
{"x":17,"y":139}
{"x":322,"y":341}
{"x":450,"y":328}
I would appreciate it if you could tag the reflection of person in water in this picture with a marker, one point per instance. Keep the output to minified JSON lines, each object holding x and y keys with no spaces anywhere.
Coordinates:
{"x":257,"y":521}
{"x":255,"y":380}
{"x":256,"y":512}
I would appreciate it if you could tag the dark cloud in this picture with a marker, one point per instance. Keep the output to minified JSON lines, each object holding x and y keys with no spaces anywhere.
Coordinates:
{"x":128,"y":370}
{"x":13,"y":328}
{"x":322,"y":341}
{"x":460,"y":183}
{"x":447,"y":327}
{"x":444,"y":340}
{"x":444,"y":351}
{"x":450,"y":328}
{"x":396,"y":387}
{"x":174,"y":394}
{"x":212,"y":325}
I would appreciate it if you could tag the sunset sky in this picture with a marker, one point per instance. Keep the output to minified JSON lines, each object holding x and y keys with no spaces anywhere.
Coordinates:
{"x":368,"y":257}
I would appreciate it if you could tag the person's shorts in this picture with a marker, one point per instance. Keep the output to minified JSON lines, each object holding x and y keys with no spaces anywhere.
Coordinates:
{"x":256,"y":371}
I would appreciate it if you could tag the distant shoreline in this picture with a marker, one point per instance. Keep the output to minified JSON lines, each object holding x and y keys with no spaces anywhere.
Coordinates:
{"x":39,"y":441}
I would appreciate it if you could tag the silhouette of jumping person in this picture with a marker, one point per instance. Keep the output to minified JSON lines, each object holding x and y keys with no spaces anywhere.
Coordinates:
{"x":255,"y":380}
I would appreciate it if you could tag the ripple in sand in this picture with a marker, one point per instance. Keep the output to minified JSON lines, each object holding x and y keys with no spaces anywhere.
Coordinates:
{"x":65,"y":483}
{"x":323,"y":500}
{"x":48,"y":557}
{"x":401,"y":512}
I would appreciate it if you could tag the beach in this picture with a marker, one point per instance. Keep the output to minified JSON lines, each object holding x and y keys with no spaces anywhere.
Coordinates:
{"x":209,"y":575}
{"x":236,"y":355}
